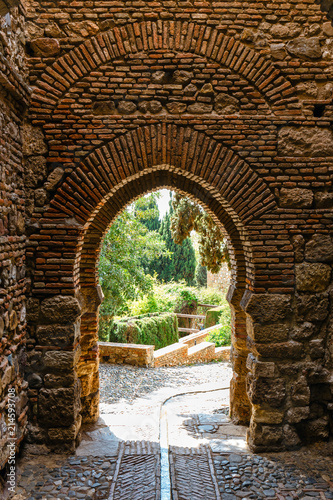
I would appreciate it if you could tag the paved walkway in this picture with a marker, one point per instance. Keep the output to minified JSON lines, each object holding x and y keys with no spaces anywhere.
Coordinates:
{"x":119,"y":458}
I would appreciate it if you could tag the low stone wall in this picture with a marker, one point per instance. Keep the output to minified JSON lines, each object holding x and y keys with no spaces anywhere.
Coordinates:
{"x":173,"y":355}
{"x":130,"y":354}
{"x":190,"y":349}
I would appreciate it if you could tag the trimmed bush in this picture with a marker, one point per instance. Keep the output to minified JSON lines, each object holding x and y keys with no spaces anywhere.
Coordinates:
{"x":159,"y":330}
{"x":213,"y":316}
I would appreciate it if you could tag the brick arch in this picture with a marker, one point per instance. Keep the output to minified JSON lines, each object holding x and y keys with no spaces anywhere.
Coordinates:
{"x":162,"y":36}
{"x":183,"y":149}
{"x":86,"y":266}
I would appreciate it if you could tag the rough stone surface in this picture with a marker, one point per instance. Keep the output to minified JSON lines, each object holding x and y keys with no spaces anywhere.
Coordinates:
{"x":308,"y":48}
{"x":306,"y":141}
{"x":312,"y":277}
{"x":296,"y":198}
{"x":319,"y":248}
{"x":60,"y":309}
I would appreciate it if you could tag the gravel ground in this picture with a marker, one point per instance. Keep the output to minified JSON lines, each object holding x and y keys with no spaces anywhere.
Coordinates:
{"x":126,"y":383}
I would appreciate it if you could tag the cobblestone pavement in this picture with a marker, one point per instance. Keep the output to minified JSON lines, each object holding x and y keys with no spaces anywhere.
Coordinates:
{"x":209,"y":460}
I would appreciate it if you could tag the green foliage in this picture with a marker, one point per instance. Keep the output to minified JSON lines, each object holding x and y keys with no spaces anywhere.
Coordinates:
{"x":146,"y":211}
{"x":188,"y":216}
{"x":222,"y":335}
{"x":127,"y":245}
{"x":160,"y":330}
{"x":201,"y":276}
{"x":187,"y":300}
{"x":211,"y":296}
{"x":181,"y":264}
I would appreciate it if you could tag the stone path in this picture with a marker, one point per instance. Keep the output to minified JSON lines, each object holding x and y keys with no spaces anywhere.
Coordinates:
{"x":119,"y":458}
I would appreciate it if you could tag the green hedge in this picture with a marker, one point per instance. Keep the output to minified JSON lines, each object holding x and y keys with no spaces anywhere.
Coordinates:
{"x":159,"y":330}
{"x":213,"y":316}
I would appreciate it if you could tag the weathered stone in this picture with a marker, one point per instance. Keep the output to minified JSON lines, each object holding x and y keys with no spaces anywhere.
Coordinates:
{"x":52,"y":380}
{"x":267,"y":333}
{"x":295,"y":415}
{"x":226,"y":104}
{"x":207,"y":88}
{"x":91,"y":298}
{"x":319,"y":248}
{"x":308,"y":89}
{"x":58,"y":335}
{"x":290,"y":436}
{"x":305,"y":141}
{"x":328,"y":28}
{"x":190,"y":89}
{"x":308,"y":48}
{"x":285,"y":30}
{"x":60,"y":309}
{"x":271,"y":391}
{"x":296,"y":198}
{"x":82,"y":29}
{"x":262,"y":416}
{"x":300,"y":392}
{"x":324,"y":200}
{"x":65,"y":434}
{"x":33,"y":308}
{"x":59,"y":407}
{"x":40,"y":197}
{"x":45,"y":47}
{"x":126,"y":107}
{"x":61,"y":360}
{"x":299,"y":245}
{"x":35,"y":381}
{"x":265,"y":435}
{"x":2,"y":327}
{"x":312,"y":307}
{"x":33,"y":141}
{"x":183,"y":77}
{"x":35,"y":171}
{"x":104,"y":108}
{"x":53,"y":179}
{"x":200,"y":108}
{"x":314,"y":430}
{"x":155,"y":107}
{"x":283,"y":350}
{"x":278,"y":51}
{"x":158,"y":77}
{"x":176,"y":108}
{"x":312,"y":277}
{"x":13,"y":320}
{"x":317,"y":348}
{"x":260,"y":369}
{"x":266,"y":308}
{"x":52,"y":30}
{"x":32,"y":30}
{"x":303,"y":331}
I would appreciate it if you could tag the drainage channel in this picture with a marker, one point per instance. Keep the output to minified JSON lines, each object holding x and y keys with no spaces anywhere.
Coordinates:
{"x":164,"y":441}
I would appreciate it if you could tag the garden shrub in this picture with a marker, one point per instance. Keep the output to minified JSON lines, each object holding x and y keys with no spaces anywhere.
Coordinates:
{"x":160,"y":330}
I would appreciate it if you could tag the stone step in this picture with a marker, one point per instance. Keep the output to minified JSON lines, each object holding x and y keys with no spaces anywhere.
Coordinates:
{"x":205,"y":351}
{"x":172,"y":355}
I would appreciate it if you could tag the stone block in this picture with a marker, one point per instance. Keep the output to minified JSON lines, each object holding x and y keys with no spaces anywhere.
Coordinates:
{"x":45,"y":47}
{"x":282,"y":350}
{"x":55,"y":381}
{"x":324,"y":200}
{"x":263,"y":416}
{"x":312,"y":277}
{"x":299,"y":246}
{"x":317,"y":348}
{"x":59,"y":407}
{"x":260,"y":369}
{"x":35,"y":171}
{"x":296,"y":198}
{"x":58,"y":335}
{"x":315,"y":430}
{"x":312,"y":307}
{"x":267,"y":333}
{"x":54,"y":178}
{"x":60,"y":309}
{"x":266,"y":308}
{"x":290,"y":437}
{"x":305,"y":48}
{"x":300,"y":392}
{"x":91,"y":298}
{"x":271,"y":391}
{"x":303,"y":331}
{"x":61,"y":360}
{"x":319,"y":248}
{"x":296,"y":415}
{"x":305,"y":141}
{"x":278,"y":51}
{"x":65,"y":434}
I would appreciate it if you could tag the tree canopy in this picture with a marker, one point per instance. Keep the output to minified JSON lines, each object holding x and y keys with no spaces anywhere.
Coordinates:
{"x":188,"y":216}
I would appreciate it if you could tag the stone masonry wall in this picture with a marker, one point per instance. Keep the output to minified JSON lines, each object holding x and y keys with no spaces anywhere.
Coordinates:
{"x":13,"y":103}
{"x":228,"y":102}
